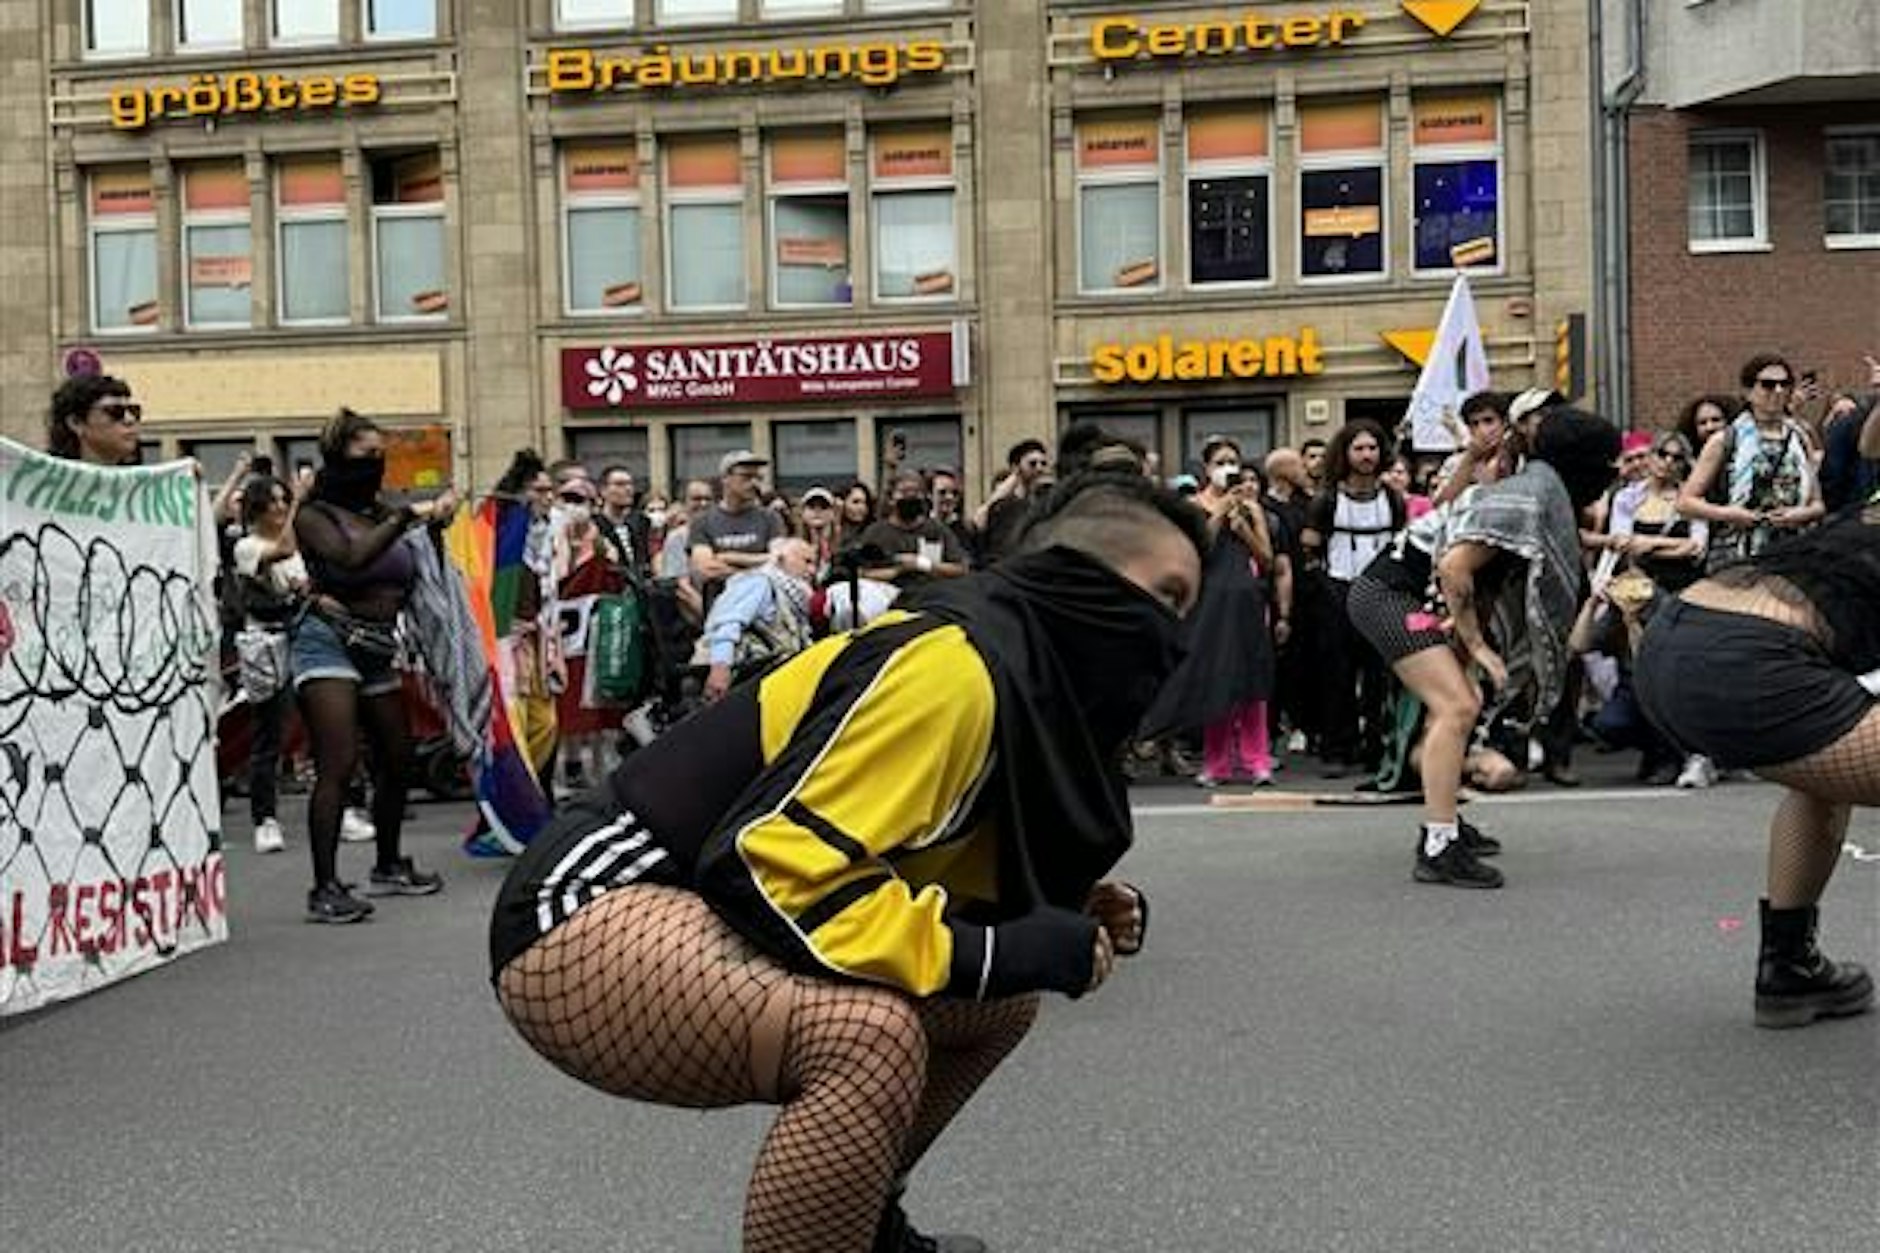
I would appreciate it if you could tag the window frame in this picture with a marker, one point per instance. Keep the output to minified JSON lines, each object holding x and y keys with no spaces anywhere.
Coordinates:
{"x":276,"y":40}
{"x":660,"y":17}
{"x":1758,"y":239}
{"x":1455,"y":154}
{"x":681,"y":197}
{"x":628,"y":22}
{"x":1332,"y":162}
{"x":773,"y":264}
{"x":1235,"y":167}
{"x":302,"y":215}
{"x":923,"y":184}
{"x":831,"y":8}
{"x":1861,"y":239}
{"x":578,"y":201}
{"x":195,"y":219}
{"x":372,"y":36}
{"x":88,"y":28}
{"x":784,"y":479}
{"x":179,"y":26}
{"x":1130,"y":177}
{"x":128,"y":224}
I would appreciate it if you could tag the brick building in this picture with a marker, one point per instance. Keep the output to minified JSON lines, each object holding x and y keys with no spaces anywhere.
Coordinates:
{"x":659,"y":229}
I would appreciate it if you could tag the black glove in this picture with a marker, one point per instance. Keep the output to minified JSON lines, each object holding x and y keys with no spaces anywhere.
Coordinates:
{"x":1047,"y":950}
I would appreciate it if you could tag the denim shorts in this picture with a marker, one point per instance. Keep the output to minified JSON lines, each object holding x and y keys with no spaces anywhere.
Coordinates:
{"x":318,"y":654}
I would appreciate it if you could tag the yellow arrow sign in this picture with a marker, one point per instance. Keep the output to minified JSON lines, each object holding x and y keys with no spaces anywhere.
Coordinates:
{"x":1441,"y":16}
{"x":1414,"y":344}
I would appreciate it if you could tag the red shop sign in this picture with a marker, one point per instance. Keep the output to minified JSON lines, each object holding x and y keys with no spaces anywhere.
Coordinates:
{"x":777,"y":370}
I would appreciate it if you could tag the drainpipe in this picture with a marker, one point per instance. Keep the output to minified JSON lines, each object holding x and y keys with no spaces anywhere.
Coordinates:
{"x":1613,"y":246}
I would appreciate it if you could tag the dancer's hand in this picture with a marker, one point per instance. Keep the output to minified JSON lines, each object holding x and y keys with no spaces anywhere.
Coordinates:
{"x":1494,"y":669}
{"x":1122,"y":913}
{"x":1103,"y":960}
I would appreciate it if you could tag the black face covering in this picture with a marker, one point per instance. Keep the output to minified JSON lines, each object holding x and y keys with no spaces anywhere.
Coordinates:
{"x":352,"y":482}
{"x":911,"y":508}
{"x":1077,"y":654}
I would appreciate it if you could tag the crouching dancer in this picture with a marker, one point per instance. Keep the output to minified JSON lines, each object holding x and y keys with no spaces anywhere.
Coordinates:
{"x":1755,"y":667}
{"x":841,"y":888}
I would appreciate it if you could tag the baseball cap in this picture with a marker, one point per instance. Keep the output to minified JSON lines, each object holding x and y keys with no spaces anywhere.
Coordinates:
{"x":817,"y":493}
{"x":1531,"y":399}
{"x":742,"y":457}
{"x":1635,"y":441}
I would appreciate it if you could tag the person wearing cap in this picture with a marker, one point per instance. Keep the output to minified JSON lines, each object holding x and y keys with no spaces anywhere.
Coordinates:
{"x":819,"y":525}
{"x":735,"y":533}
{"x":1529,"y":408}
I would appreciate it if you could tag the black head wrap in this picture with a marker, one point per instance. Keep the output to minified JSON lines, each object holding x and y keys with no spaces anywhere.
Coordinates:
{"x":1581,"y":447}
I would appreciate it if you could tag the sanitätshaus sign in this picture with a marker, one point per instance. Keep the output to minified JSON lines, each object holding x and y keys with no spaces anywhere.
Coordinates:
{"x":893,"y":365}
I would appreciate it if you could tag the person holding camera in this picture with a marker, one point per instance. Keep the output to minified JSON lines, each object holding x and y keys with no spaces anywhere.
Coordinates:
{"x":1223,"y":685}
{"x":1754,"y":482}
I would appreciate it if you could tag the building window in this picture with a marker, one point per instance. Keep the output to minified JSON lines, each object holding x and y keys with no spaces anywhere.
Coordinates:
{"x":1251,"y":428}
{"x":1727,"y":192}
{"x":932,"y":443}
{"x":705,"y":224}
{"x":296,"y":453}
{"x":812,"y":454}
{"x":1341,"y":189}
{"x":905,"y":6}
{"x":305,"y":22}
{"x":310,"y":222}
{"x":809,"y":220}
{"x":1230,"y":237}
{"x":695,"y":12}
{"x":117,"y":28}
{"x":217,"y":456}
{"x":781,"y":9}
{"x":916,"y":242}
{"x":410,"y":281}
{"x":696,"y":450}
{"x":123,"y":230}
{"x":205,"y":24}
{"x":401,"y":19}
{"x":1142,"y":426}
{"x":1457,"y":184}
{"x":599,"y":446}
{"x":1851,"y":190}
{"x":218,"y":256}
{"x":1119,"y":205}
{"x":578,"y":14}
{"x":601,"y":227}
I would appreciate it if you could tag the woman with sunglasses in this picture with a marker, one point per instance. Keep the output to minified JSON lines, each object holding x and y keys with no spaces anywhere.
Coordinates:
{"x":1754,"y":480}
{"x":94,"y":420}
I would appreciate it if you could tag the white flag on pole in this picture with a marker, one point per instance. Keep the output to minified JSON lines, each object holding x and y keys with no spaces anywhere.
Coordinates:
{"x":1456,"y":368}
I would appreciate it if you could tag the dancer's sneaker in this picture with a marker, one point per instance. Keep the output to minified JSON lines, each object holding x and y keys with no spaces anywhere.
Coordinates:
{"x":1455,"y":866}
{"x":1697,"y":772}
{"x":356,"y":828}
{"x":403,"y":879}
{"x":269,"y":837}
{"x":332,"y":902}
{"x":1476,"y":840}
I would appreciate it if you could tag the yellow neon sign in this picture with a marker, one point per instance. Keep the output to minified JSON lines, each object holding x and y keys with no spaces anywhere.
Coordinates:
{"x":214,"y":95}
{"x":1127,"y":38}
{"x":871,"y":64}
{"x":1164,"y":360}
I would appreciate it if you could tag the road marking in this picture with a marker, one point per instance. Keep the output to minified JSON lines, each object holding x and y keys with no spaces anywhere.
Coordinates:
{"x":1860,"y":854}
{"x":1302,"y":802}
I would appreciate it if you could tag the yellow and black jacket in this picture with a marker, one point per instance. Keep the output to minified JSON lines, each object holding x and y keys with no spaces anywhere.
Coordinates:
{"x":837,"y":812}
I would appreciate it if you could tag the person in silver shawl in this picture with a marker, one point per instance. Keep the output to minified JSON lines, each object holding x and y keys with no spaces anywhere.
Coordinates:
{"x":1482,"y":591}
{"x":762,"y":617}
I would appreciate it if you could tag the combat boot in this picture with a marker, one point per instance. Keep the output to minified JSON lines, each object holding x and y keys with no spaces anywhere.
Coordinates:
{"x":897,"y":1235}
{"x":1795,"y":982}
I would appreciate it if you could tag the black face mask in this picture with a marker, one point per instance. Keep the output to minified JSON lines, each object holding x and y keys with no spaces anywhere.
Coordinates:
{"x":352,"y":482}
{"x":911,"y":508}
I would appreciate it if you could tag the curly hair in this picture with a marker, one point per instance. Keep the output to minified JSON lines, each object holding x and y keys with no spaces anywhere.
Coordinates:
{"x":523,"y":467}
{"x":1338,"y":453}
{"x":74,"y":399}
{"x":340,"y":431}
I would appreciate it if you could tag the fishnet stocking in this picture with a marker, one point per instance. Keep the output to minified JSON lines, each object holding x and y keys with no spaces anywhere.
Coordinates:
{"x":645,"y":993}
{"x":1811,"y":822}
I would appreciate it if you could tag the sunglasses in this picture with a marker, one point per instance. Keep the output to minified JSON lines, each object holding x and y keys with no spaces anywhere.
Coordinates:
{"x":125,"y":413}
{"x":576,"y":498}
{"x":1776,"y":385}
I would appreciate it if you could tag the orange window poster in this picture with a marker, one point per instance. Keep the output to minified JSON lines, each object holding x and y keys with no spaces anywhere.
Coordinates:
{"x":1454,"y":120}
{"x":807,"y":250}
{"x":121,"y":191}
{"x":418,"y":179}
{"x":703,"y":163}
{"x":817,"y":158}
{"x":1228,"y":135}
{"x":220,"y":271}
{"x":913,"y":154}
{"x":219,"y":186}
{"x":1341,"y":126}
{"x":417,"y":460}
{"x":1346,"y":220}
{"x":1119,"y":144}
{"x":610,"y":167}
{"x":312,"y":182}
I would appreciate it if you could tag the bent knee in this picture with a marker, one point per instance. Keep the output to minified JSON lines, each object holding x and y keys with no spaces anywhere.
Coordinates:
{"x":855,"y":1036}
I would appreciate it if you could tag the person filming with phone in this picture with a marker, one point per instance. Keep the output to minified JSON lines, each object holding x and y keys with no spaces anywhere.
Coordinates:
{"x":1753,"y":481}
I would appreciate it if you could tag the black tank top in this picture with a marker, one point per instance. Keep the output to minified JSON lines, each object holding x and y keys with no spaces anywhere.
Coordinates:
{"x":1837,"y":567}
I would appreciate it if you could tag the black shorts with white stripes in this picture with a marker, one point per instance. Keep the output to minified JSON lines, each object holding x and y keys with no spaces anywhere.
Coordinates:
{"x":592,"y":847}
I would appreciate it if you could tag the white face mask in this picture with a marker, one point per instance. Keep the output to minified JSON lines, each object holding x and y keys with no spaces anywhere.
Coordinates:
{"x":1220,"y":474}
{"x":656,"y":518}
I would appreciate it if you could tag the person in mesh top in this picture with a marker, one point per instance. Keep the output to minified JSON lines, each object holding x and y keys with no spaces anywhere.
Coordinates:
{"x":1758,"y":667}
{"x":841,"y":889}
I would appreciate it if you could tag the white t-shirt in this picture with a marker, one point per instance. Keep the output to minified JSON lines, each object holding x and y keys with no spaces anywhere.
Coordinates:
{"x":281,"y":577}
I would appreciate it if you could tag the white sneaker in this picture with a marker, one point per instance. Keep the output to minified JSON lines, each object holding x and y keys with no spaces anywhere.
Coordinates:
{"x":356,"y":828}
{"x":1296,"y":742}
{"x":1697,"y":772}
{"x":639,"y":725}
{"x":269,"y":837}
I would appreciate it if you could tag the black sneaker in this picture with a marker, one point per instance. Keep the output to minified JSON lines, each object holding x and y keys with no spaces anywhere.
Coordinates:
{"x":1455,"y":866}
{"x":1476,"y":841}
{"x":403,"y":879}
{"x":332,"y":902}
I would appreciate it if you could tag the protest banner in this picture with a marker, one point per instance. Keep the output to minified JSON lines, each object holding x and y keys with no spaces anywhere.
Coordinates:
{"x":110,"y":818}
{"x":1456,"y":368}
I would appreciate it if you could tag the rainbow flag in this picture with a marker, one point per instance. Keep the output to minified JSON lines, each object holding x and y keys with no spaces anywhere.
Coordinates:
{"x":487,"y":545}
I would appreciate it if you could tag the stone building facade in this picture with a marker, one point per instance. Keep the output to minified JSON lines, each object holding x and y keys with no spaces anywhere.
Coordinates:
{"x":656,"y":230}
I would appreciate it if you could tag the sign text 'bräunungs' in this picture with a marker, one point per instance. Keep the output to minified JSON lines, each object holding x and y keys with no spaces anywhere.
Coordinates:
{"x":871,"y":64}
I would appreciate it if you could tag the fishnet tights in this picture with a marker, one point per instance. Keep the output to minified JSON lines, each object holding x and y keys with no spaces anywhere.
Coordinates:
{"x":1810,"y":824}
{"x":645,"y":993}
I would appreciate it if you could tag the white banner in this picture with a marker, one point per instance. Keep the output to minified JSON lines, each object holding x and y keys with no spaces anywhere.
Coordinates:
{"x":110,"y":818}
{"x":1456,"y":369}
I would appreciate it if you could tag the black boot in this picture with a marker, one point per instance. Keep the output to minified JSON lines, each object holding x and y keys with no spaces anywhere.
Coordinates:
{"x":897,"y":1235}
{"x":1795,"y":983}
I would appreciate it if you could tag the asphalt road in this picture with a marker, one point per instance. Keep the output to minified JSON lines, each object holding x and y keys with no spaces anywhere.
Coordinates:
{"x":1314,"y":1054}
